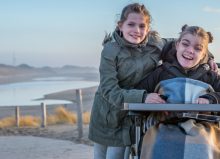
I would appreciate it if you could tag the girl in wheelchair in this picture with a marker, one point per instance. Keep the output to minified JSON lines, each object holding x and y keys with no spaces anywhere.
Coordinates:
{"x":184,"y":79}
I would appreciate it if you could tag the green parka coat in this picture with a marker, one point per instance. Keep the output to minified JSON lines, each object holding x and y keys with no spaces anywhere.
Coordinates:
{"x":122,"y":66}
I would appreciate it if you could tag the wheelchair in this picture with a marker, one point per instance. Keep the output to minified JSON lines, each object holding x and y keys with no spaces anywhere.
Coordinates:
{"x":138,"y":112}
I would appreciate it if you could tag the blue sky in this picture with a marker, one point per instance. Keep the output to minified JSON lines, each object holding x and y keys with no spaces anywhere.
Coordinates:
{"x":60,"y":32}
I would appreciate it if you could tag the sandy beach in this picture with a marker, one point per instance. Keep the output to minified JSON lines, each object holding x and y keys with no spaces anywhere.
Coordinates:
{"x":28,"y":147}
{"x":59,"y":131}
{"x":52,"y":142}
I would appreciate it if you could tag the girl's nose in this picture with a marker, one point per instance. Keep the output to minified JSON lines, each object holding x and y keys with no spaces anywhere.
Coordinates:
{"x":190,"y":49}
{"x":137,"y":29}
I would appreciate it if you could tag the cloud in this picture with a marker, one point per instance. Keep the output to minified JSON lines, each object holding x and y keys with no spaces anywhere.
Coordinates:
{"x":211,"y":9}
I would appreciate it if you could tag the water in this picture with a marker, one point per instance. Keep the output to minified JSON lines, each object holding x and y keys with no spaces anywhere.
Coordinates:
{"x":24,"y":93}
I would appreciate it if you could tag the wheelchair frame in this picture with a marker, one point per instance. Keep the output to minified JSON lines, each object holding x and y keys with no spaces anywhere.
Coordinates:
{"x":138,"y":109}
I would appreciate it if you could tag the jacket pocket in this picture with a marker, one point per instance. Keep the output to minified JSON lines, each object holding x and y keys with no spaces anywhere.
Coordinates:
{"x":107,"y":115}
{"x":100,"y":111}
{"x":115,"y":117}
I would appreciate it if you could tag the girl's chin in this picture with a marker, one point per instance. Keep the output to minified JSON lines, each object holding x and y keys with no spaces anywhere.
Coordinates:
{"x":134,"y":41}
{"x":186,"y":65}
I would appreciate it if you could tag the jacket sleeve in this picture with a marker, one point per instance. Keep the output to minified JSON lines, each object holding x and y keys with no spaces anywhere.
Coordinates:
{"x":150,"y":82}
{"x":109,"y":83}
{"x":214,"y":97}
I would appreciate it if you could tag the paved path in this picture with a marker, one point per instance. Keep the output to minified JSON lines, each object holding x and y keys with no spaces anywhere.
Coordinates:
{"x":28,"y":147}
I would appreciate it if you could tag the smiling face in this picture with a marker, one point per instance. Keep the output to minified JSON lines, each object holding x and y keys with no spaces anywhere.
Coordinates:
{"x":190,"y":50}
{"x":134,"y":28}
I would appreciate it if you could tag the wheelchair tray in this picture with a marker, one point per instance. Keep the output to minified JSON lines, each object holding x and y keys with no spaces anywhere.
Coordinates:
{"x":171,"y":107}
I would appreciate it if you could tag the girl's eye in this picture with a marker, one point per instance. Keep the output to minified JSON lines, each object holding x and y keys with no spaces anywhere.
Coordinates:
{"x":142,"y":26}
{"x":131,"y":24}
{"x":198,"y":49}
{"x":185,"y":44}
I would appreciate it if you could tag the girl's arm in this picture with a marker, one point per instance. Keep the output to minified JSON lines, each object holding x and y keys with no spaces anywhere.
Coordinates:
{"x":149,"y":83}
{"x":109,"y":82}
{"x":213,"y":97}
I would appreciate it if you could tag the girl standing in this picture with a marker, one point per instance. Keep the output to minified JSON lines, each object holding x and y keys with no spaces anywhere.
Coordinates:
{"x":128,"y":55}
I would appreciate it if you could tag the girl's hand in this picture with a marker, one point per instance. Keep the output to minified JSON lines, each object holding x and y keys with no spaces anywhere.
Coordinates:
{"x":213,"y":65}
{"x":154,"y":98}
{"x":202,"y":101}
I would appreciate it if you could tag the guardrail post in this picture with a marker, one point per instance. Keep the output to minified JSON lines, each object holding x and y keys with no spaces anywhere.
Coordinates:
{"x":17,"y":116}
{"x":79,"y":112}
{"x":44,"y":115}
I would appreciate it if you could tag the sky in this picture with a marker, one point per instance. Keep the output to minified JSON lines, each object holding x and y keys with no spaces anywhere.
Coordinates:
{"x":70,"y":32}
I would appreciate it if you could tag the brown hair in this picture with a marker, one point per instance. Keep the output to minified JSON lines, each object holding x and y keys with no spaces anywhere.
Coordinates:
{"x":135,"y":8}
{"x":196,"y":30}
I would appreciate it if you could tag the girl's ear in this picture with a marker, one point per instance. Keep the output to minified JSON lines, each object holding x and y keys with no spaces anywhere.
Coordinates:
{"x":119,"y":25}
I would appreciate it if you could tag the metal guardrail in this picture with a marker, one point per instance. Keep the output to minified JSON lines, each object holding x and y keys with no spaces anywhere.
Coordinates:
{"x":172,"y":107}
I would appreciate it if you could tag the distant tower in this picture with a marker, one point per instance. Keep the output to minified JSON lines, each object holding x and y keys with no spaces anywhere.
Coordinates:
{"x":13,"y":59}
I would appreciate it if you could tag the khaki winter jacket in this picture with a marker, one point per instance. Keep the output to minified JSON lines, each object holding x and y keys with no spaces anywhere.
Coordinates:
{"x":122,"y":66}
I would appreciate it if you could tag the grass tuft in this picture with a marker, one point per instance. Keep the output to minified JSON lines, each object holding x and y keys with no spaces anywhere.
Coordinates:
{"x":28,"y":120}
{"x":61,"y":116}
{"x":7,"y":122}
{"x":86,"y":117}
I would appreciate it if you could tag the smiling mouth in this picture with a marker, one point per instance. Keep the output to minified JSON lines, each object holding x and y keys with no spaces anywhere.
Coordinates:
{"x":135,"y":36}
{"x":187,"y":57}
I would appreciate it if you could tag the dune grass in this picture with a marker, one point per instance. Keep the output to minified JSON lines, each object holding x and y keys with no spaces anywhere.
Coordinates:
{"x":7,"y":122}
{"x":60,"y":116}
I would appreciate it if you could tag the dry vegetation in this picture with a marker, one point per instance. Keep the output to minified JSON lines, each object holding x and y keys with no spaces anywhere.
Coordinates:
{"x":60,"y":116}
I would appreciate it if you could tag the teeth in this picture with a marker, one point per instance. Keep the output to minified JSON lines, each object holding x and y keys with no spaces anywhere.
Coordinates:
{"x":187,"y":57}
{"x":135,"y":36}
